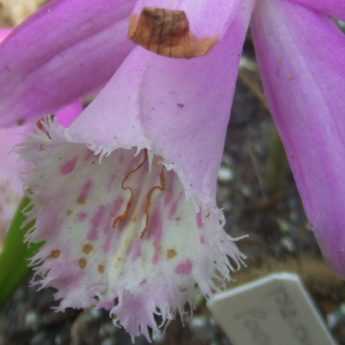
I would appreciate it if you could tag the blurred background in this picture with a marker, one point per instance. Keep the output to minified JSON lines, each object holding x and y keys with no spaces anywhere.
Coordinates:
{"x":259,"y":198}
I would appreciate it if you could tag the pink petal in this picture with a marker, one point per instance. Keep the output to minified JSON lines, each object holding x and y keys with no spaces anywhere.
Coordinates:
{"x":131,"y":222}
{"x":66,"y":50}
{"x":335,"y":8}
{"x":301,"y":56}
{"x":69,"y":113}
{"x":205,"y":23}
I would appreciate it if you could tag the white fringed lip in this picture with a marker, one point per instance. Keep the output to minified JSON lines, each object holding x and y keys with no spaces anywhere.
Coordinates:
{"x":121,"y":233}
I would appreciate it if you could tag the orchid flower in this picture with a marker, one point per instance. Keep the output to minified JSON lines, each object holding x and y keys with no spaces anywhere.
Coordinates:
{"x":124,"y":199}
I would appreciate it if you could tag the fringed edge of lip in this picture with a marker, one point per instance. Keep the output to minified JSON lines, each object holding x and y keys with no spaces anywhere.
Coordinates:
{"x":211,"y":275}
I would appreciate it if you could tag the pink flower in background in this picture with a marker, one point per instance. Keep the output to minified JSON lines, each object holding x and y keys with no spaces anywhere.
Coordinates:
{"x":301,"y":58}
{"x":125,"y":197}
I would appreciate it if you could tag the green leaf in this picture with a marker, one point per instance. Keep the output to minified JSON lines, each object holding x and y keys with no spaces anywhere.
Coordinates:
{"x":14,"y":257}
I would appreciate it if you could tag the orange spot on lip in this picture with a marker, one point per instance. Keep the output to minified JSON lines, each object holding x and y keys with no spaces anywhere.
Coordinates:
{"x":171,"y":253}
{"x":82,"y":263}
{"x":54,"y":254}
{"x":87,"y":248}
{"x":167,"y":32}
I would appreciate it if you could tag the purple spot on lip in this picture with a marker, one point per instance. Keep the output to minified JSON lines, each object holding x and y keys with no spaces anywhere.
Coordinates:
{"x":184,"y":268}
{"x":95,"y":223}
{"x":68,"y":166}
{"x":85,"y":191}
{"x":199,"y":220}
{"x":82,"y":216}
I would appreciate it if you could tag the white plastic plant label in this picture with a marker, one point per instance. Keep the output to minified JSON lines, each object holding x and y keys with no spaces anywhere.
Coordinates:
{"x":275,"y":310}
